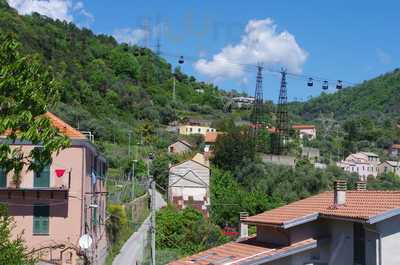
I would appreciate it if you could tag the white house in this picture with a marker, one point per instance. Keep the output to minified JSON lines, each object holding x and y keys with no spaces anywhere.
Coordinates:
{"x":188,"y":184}
{"x":363,"y":163}
{"x":390,"y":166}
{"x":306,"y":131}
{"x":357,"y":227}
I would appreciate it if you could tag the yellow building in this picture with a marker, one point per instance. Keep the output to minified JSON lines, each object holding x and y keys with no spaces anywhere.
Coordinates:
{"x":195,"y":129}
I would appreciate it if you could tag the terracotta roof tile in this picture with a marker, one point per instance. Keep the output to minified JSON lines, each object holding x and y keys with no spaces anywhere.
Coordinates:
{"x":395,"y":146}
{"x":59,"y":124}
{"x":235,"y":253}
{"x":63,"y":127}
{"x":303,"y":126}
{"x":211,"y":137}
{"x":361,"y":205}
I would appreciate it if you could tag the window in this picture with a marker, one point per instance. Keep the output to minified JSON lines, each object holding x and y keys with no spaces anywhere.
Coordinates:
{"x":3,"y":178}
{"x":42,"y":179}
{"x":41,"y":215}
{"x":359,"y":244}
{"x":199,"y":130}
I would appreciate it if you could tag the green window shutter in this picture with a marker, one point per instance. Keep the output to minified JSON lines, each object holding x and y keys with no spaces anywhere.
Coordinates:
{"x":41,"y":215}
{"x":94,"y":216}
{"x":3,"y":178}
{"x":42,"y":178}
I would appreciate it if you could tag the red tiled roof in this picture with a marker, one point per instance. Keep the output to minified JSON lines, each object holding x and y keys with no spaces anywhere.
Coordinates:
{"x":303,"y":126}
{"x":360,"y":205}
{"x":211,"y":137}
{"x":63,"y":127}
{"x":60,"y":125}
{"x":235,"y":253}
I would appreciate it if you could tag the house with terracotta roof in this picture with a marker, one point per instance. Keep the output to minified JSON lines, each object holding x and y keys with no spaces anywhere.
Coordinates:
{"x":179,"y":147}
{"x":390,"y":167}
{"x":53,"y":208}
{"x":362,"y":163}
{"x":306,"y":131}
{"x":339,"y":227}
{"x":394,"y":150}
{"x":188,"y":184}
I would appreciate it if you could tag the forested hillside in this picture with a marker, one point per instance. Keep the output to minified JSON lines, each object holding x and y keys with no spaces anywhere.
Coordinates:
{"x":378,"y":98}
{"x":107,"y":86}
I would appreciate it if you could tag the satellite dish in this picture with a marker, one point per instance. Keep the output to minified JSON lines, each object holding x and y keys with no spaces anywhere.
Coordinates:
{"x":85,"y":241}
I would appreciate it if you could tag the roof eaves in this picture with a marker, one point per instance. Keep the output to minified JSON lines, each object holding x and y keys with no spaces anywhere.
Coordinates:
{"x":302,"y":220}
{"x":383,"y":216}
{"x":285,"y":254}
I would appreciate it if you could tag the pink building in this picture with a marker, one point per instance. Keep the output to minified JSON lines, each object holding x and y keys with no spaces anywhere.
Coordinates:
{"x":53,"y":208}
{"x":306,"y":131}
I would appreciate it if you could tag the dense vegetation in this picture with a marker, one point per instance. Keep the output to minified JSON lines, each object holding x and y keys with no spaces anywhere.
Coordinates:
{"x":110,"y":88}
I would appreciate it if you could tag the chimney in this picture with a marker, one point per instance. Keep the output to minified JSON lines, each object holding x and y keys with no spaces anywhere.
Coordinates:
{"x":339,"y":191}
{"x":244,"y":228}
{"x":361,"y":185}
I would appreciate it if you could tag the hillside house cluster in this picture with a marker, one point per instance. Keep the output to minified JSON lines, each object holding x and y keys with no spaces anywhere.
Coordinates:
{"x":53,"y":208}
{"x":356,"y":227}
{"x":243,"y":102}
{"x":188,"y":184}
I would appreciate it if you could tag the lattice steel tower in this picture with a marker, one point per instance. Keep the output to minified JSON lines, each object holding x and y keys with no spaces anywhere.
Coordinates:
{"x":282,"y":128}
{"x":256,"y":115}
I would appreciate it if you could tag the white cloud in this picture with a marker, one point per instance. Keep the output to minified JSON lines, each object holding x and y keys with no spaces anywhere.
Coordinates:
{"x":56,"y":9}
{"x":261,"y":42}
{"x":383,"y":56}
{"x":130,"y":36}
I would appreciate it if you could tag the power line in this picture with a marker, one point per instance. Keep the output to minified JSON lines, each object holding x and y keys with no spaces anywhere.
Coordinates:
{"x":251,"y":68}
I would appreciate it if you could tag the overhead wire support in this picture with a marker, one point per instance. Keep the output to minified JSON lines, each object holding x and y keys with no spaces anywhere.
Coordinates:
{"x":282,"y":128}
{"x":257,"y":113}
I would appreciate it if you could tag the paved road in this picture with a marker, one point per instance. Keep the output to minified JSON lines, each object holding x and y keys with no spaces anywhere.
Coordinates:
{"x":133,"y":251}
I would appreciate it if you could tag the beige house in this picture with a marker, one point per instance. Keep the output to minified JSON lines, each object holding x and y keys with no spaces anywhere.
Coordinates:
{"x":363,"y":163}
{"x":306,"y":131}
{"x":179,"y":147}
{"x":339,"y":227}
{"x":53,"y":208}
{"x":310,"y":153}
{"x":195,"y":129}
{"x":394,"y":150}
{"x":188,"y":184}
{"x":390,"y":167}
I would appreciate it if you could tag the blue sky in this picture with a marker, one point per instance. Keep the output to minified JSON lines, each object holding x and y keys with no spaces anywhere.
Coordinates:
{"x":348,"y":40}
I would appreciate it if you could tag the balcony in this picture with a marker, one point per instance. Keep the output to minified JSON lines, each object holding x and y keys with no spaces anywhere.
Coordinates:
{"x":42,"y":186}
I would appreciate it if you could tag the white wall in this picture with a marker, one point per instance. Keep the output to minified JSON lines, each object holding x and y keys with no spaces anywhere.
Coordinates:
{"x":390,"y":233}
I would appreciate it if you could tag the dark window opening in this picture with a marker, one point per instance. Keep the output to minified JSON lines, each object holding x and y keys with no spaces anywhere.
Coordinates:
{"x":359,"y":244}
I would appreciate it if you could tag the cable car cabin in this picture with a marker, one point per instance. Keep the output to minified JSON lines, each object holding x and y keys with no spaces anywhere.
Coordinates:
{"x":339,"y":84}
{"x":181,"y":60}
{"x":310,"y":82}
{"x":325,"y":85}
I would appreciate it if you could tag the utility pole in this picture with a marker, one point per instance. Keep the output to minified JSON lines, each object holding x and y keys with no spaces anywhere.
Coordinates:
{"x":153,"y":222}
{"x":173,"y":87}
{"x":133,"y":179}
{"x":129,"y":144}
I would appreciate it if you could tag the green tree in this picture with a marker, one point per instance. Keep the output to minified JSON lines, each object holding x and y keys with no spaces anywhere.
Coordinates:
{"x":12,"y":251}
{"x":27,"y":89}
{"x":233,"y":148}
